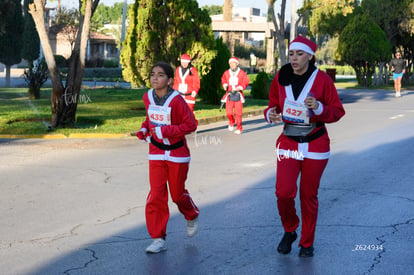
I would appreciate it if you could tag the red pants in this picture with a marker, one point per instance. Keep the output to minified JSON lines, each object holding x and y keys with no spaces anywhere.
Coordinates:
{"x":156,"y":209}
{"x":238,"y":111}
{"x":286,"y":188}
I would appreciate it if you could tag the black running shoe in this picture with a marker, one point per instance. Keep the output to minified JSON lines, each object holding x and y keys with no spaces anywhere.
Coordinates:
{"x":306,"y":252}
{"x":285,"y":245}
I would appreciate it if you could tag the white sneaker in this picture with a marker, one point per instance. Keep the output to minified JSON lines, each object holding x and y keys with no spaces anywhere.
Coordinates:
{"x":231,"y":128}
{"x":237,"y":132}
{"x":192,"y":227}
{"x":398,"y":94}
{"x":157,"y":246}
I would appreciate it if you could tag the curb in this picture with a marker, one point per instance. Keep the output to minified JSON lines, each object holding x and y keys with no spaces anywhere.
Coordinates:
{"x":201,"y":121}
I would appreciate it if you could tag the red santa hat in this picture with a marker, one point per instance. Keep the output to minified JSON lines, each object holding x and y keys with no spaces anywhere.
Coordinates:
{"x":303,"y":44}
{"x":185,"y":58}
{"x":234,"y":59}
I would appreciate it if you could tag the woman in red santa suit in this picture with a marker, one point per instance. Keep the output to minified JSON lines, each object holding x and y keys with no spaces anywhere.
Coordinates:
{"x":234,"y":81}
{"x":168,"y":121}
{"x":187,"y":81}
{"x":303,"y":98}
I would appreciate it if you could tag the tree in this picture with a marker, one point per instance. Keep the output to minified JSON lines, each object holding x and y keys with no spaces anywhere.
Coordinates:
{"x":3,"y":11}
{"x":109,"y":15}
{"x":64,"y":97}
{"x":211,"y":89}
{"x":11,"y":37}
{"x":160,"y":30}
{"x":279,"y":27}
{"x":395,"y":22}
{"x":213,"y":9}
{"x":35,"y":76}
{"x":363,"y":44}
{"x":326,"y":19}
{"x":329,"y":16}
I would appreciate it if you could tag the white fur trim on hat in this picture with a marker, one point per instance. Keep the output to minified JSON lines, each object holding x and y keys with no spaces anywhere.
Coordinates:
{"x":302,"y":47}
{"x":234,"y":59}
{"x":185,"y":58}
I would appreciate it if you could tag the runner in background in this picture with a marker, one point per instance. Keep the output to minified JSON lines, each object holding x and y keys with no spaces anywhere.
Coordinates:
{"x":234,"y":81}
{"x":398,"y":70}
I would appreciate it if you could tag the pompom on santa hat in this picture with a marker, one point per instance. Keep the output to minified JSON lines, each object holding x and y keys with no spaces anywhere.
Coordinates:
{"x":235,"y":60}
{"x":185,"y":58}
{"x":303,"y":44}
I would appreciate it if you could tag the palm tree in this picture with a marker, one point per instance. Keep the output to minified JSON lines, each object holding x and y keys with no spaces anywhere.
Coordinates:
{"x":228,"y":16}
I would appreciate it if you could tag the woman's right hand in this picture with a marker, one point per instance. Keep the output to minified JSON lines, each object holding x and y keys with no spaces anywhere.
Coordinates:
{"x":274,"y":116}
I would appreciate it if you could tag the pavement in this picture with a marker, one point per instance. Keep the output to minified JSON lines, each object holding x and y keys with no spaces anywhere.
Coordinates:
{"x":76,"y":205}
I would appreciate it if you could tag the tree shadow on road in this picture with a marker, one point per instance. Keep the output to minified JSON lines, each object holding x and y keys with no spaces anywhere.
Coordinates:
{"x":239,"y":233}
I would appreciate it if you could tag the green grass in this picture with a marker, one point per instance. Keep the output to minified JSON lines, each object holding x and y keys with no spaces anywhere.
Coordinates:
{"x":112,"y":111}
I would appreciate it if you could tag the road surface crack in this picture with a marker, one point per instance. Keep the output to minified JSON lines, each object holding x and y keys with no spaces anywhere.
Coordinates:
{"x":93,"y":259}
{"x":382,"y":241}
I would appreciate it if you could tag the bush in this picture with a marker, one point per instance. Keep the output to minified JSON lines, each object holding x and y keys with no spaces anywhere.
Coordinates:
{"x":35,"y":76}
{"x":102,"y":73}
{"x":111,"y":63}
{"x":261,"y":86}
{"x":99,"y":73}
{"x":340,"y":70}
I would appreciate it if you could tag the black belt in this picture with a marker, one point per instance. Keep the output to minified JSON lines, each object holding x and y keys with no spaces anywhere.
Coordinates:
{"x":166,"y":147}
{"x":309,"y":138}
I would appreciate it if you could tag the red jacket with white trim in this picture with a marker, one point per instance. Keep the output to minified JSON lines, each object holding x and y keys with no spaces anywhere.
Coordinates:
{"x":182,"y":122}
{"x":191,"y":80}
{"x":242,"y":83}
{"x":324,"y":91}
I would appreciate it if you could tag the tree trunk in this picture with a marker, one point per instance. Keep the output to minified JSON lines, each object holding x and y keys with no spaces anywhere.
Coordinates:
{"x":280,"y":28}
{"x":76,"y":67}
{"x":8,"y":76}
{"x":228,"y":37}
{"x":34,"y":92}
{"x":280,"y":34}
{"x":36,"y":9}
{"x":64,"y":100}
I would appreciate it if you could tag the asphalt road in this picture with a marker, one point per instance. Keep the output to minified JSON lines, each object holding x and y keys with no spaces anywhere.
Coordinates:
{"x":76,"y":206}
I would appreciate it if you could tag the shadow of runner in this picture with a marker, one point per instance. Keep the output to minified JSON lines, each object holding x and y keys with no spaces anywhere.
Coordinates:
{"x":239,"y":234}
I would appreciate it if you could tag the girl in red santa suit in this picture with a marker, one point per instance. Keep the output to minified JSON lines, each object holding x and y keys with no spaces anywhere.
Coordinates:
{"x":303,"y":98}
{"x":234,"y":81}
{"x":168,"y":121}
{"x":187,"y":81}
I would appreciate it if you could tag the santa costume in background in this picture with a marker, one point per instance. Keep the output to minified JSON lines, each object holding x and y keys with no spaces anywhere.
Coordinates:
{"x":234,"y":81}
{"x":187,"y":81}
{"x":307,"y":154}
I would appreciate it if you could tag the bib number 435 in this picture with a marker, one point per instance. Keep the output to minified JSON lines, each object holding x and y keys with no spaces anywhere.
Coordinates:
{"x":157,"y":117}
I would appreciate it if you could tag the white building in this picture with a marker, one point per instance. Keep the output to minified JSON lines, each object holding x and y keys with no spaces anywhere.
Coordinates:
{"x":246,"y":15}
